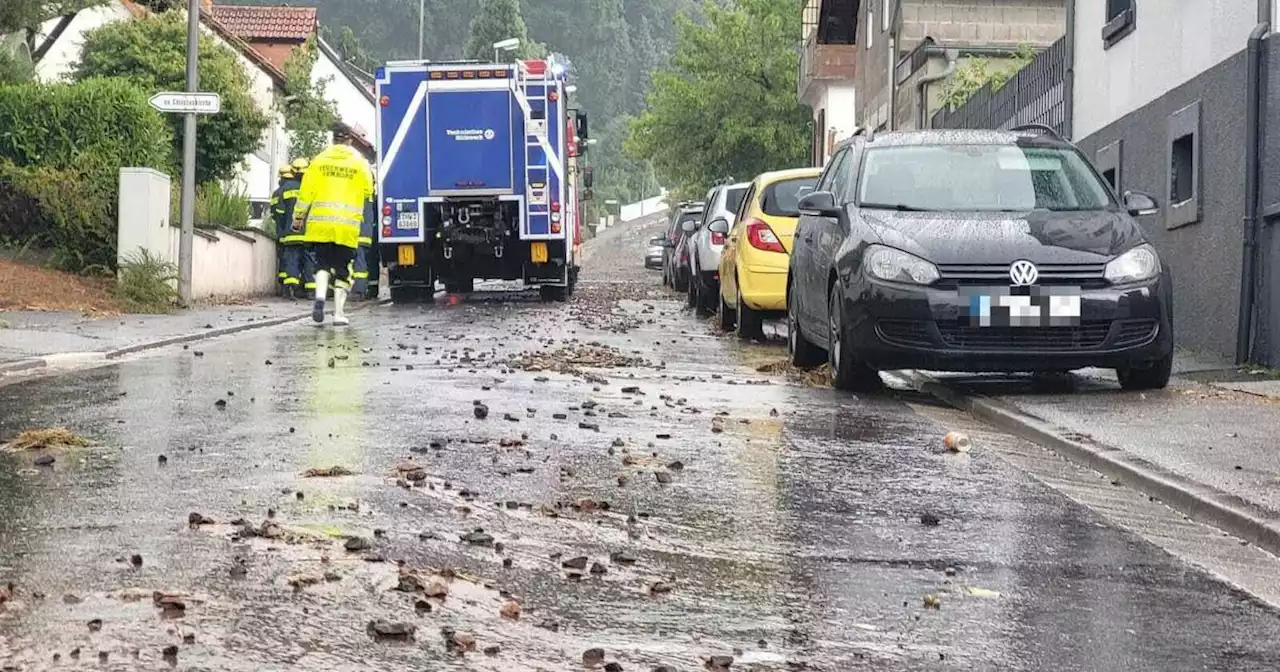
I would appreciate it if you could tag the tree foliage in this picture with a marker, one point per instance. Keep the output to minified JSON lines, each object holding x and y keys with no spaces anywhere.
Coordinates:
{"x":308,"y":114}
{"x":151,"y":52}
{"x":979,"y":71}
{"x":726,"y":106}
{"x":500,"y":20}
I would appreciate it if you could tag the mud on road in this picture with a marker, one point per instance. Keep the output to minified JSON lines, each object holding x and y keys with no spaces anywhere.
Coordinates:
{"x":500,"y":484}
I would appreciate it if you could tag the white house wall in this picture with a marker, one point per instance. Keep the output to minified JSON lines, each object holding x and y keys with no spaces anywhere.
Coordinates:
{"x":1172,"y":42}
{"x":355,"y":109}
{"x":60,"y":60}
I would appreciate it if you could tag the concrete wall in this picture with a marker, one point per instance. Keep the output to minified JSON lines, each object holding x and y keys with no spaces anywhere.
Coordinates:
{"x":632,"y":211}
{"x":1172,"y":42}
{"x":985,"y":22}
{"x":1204,"y":256}
{"x":225,"y":263}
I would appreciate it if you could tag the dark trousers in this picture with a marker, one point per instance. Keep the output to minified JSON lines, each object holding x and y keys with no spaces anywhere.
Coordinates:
{"x":296,"y":268}
{"x":337,"y":259}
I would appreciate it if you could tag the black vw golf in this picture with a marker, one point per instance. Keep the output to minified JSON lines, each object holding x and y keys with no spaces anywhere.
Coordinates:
{"x":975,"y":251}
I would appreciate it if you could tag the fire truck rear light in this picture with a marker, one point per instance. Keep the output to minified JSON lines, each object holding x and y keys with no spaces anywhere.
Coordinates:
{"x":385,"y":100}
{"x":555,"y":227}
{"x":386,"y":210}
{"x":386,"y":232}
{"x":553,"y":96}
{"x":555,"y":206}
{"x":386,"y":221}
{"x":555,"y":217}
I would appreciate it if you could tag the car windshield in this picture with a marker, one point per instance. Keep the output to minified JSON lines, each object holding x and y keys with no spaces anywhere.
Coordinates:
{"x":782,"y":199}
{"x":979,"y":178}
{"x":733,"y":198}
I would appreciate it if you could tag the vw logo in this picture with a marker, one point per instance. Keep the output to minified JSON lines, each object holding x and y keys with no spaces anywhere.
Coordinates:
{"x":1023,"y":273}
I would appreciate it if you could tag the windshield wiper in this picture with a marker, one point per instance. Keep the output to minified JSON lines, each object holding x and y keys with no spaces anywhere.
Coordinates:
{"x":900,"y":207}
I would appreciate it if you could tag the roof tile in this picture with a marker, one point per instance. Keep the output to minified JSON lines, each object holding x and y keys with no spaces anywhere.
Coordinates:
{"x":267,"y":23}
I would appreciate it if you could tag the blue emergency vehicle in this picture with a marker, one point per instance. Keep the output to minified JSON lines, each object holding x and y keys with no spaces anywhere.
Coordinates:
{"x":478,"y":176}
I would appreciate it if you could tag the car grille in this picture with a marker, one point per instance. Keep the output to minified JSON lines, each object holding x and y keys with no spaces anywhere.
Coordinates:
{"x":1079,"y":275}
{"x":1086,"y":336}
{"x":904,"y":332}
{"x":1135,"y":332}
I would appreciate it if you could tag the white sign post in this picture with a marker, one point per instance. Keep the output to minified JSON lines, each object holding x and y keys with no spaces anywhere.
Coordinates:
{"x":188,"y":103}
{"x":176,"y":102}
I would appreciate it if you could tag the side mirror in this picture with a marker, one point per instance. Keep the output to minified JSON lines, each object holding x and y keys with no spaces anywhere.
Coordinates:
{"x":581,"y":126}
{"x":819,"y":203}
{"x":1138,"y":204}
{"x":719,"y":226}
{"x":688,"y":226}
{"x":588,"y":176}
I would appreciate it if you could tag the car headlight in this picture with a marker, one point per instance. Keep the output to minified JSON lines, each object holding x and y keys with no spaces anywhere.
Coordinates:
{"x":886,"y":263}
{"x":1136,"y":265}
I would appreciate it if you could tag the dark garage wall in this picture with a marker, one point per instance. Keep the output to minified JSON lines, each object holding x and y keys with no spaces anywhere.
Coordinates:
{"x":1204,"y":255}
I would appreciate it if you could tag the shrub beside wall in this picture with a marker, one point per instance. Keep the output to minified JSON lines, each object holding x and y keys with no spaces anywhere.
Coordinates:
{"x":61,"y":149}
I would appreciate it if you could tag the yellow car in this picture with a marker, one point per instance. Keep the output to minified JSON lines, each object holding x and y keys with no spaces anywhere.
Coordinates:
{"x":756,"y":255}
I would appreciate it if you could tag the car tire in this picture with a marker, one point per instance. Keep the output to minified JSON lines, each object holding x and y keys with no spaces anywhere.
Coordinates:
{"x":724,"y":314}
{"x":678,"y":282}
{"x":804,"y":354}
{"x":1152,"y":377}
{"x":750,"y":321}
{"x":707,"y":299}
{"x":847,"y":373}
{"x":691,"y":293}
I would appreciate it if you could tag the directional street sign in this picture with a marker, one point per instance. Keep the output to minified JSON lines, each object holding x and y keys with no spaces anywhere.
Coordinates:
{"x":177,"y":102}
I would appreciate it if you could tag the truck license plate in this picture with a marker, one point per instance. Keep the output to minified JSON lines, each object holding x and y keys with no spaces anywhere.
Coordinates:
{"x":406,"y":255}
{"x":407,"y":221}
{"x":538,"y":253}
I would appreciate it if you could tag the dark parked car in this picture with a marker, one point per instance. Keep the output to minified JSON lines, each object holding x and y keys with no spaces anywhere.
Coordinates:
{"x":975,"y":251}
{"x":675,"y":265}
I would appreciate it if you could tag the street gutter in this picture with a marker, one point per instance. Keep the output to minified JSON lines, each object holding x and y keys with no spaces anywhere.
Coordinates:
{"x":1240,"y":517}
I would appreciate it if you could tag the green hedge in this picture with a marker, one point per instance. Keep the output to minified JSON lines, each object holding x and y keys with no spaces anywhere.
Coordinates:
{"x":61,"y":150}
{"x":53,"y":125}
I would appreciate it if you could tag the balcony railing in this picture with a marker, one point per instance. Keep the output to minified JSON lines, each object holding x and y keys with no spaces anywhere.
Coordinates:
{"x":824,"y":62}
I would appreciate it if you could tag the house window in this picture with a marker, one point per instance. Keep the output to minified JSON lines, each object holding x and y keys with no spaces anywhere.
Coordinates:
{"x":1121,"y":19}
{"x":1184,"y":167}
{"x":1108,"y":161}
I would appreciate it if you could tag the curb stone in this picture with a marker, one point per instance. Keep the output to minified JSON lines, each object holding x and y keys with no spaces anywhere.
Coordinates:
{"x":1204,"y":503}
{"x":43,"y":362}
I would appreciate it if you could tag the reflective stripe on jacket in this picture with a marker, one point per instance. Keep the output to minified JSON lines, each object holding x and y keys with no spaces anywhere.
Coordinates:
{"x":332,"y":197}
{"x":282,"y":206}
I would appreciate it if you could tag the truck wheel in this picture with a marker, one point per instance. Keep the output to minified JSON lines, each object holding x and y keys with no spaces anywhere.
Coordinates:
{"x":550,"y":293}
{"x":460,"y":285}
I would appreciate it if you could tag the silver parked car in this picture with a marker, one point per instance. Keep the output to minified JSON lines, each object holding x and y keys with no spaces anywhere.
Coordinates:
{"x":657,"y":248}
{"x":723,"y":202}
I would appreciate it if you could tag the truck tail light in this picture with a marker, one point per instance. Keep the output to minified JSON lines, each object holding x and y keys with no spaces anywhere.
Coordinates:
{"x":761,"y":237}
{"x":555,"y":206}
{"x":556,"y":227}
{"x":386,"y":210}
{"x":385,"y":100}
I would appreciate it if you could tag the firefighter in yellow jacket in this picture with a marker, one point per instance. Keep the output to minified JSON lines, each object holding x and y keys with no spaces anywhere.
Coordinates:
{"x":329,"y":212}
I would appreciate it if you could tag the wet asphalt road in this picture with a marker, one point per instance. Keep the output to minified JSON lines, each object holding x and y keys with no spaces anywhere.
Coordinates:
{"x":801,"y":540}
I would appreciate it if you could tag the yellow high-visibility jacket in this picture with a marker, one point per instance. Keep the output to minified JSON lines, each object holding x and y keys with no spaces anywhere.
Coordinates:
{"x":332,"y":196}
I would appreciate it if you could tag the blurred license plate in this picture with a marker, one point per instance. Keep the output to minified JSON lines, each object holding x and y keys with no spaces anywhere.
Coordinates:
{"x":406,"y":255}
{"x":538,"y":253}
{"x":1024,"y":307}
{"x":407,"y":220}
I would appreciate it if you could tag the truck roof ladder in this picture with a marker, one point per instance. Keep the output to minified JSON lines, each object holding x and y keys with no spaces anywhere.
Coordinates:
{"x":532,"y":90}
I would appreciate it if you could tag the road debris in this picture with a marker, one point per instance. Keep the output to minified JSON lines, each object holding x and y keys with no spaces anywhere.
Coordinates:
{"x":47,"y":439}
{"x":327,"y":472}
{"x":957,"y":442}
{"x":385,"y":630}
